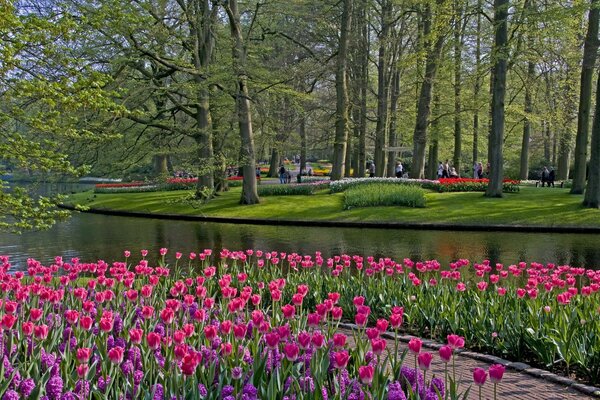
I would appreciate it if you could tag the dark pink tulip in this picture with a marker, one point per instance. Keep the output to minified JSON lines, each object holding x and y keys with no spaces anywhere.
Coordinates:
{"x":445,"y":353}
{"x":424,"y":360}
{"x":479,"y":376}
{"x":272,"y":339}
{"x":84,"y":354}
{"x":378,"y":346}
{"x":82,"y":370}
{"x":456,"y":341}
{"x":291,"y":351}
{"x":27,"y":328}
{"x":115,"y":355}
{"x":360,"y":319}
{"x":339,"y":340}
{"x":71,"y":316}
{"x":414,"y":345}
{"x":288,"y":311}
{"x":365,"y":373}
{"x":86,"y":322}
{"x":35,"y":314}
{"x":382,"y":325}
{"x":340,"y":359}
{"x":317,"y":339}
{"x":336,"y":313}
{"x":496,"y":372}
{"x":153,"y":340}
{"x":41,"y":331}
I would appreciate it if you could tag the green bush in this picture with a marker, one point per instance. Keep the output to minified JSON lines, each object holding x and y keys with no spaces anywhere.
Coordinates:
{"x":291,"y":189}
{"x":381,"y":194}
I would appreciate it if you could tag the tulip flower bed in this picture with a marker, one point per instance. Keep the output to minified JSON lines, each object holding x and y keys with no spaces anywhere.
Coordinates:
{"x":253,"y":324}
{"x":473,"y":185}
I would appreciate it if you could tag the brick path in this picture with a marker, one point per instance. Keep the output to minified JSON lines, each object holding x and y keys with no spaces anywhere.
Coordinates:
{"x":515,"y":385}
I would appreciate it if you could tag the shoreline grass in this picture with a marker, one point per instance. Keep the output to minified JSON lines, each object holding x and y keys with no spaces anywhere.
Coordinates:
{"x":542,"y":207}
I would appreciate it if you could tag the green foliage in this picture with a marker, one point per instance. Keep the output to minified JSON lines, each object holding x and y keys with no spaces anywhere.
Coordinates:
{"x":381,"y":194}
{"x":304,"y":189}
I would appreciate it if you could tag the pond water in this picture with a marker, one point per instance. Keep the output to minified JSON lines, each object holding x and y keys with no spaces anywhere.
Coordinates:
{"x":91,"y":237}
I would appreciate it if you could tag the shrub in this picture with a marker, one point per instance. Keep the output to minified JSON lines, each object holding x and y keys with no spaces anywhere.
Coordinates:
{"x":292,"y":189}
{"x":383,"y":194}
{"x":342,"y":185}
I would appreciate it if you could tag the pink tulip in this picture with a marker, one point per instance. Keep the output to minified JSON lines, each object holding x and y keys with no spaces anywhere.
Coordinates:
{"x":378,"y":346}
{"x":115,"y":354}
{"x":153,"y":340}
{"x":445,"y":353}
{"x":360,"y":319}
{"x":424,"y":360}
{"x":365,"y":373}
{"x":84,"y":354}
{"x":382,"y":325}
{"x":496,"y":372}
{"x":7,"y":321}
{"x":288,"y":311}
{"x":41,"y":332}
{"x":339,"y":340}
{"x":479,"y":376}
{"x":456,"y":341}
{"x":291,"y":351}
{"x":415,"y":345}
{"x":340,"y":359}
{"x":396,"y":320}
{"x":272,"y":339}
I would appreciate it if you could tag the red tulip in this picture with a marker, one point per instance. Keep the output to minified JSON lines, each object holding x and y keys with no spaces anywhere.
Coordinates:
{"x":496,"y":372}
{"x":115,"y":354}
{"x":479,"y":376}
{"x":445,"y":353}
{"x":365,"y":373}
{"x":424,"y":360}
{"x":415,"y":345}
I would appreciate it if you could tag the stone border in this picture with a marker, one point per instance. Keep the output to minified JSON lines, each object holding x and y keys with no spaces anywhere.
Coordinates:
{"x":517,"y":366}
{"x":341,"y":224}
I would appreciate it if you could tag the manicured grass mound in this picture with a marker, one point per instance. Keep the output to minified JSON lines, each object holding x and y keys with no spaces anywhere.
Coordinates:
{"x":292,"y":189}
{"x":381,"y":194}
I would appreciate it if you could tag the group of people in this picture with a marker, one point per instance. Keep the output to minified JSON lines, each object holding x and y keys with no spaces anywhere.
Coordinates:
{"x":399,"y":170}
{"x":478,"y":170}
{"x":285,"y":176}
{"x":548,"y":176}
{"x":446,"y":171}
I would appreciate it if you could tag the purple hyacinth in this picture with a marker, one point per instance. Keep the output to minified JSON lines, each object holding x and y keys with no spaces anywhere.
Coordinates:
{"x":127,"y":367}
{"x":82,"y":388}
{"x":54,"y":387}
{"x":226,"y":391}
{"x":250,"y":391}
{"x":68,"y":396}
{"x":103,"y":383}
{"x":202,"y":390}
{"x":395,"y":391}
{"x":10,"y":395}
{"x":26,"y":387}
{"x":158,"y":392}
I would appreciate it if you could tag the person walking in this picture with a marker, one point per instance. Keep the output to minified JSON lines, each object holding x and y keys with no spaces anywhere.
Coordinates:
{"x":475,"y":169}
{"x":446,"y":170}
{"x":440,"y":171}
{"x":282,"y":177}
{"x":399,"y":169}
{"x":372,"y":170}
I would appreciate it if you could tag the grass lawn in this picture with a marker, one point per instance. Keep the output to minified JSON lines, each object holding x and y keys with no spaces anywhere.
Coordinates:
{"x":531,"y":206}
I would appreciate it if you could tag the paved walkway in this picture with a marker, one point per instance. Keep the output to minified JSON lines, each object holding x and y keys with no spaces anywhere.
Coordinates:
{"x":515,"y":385}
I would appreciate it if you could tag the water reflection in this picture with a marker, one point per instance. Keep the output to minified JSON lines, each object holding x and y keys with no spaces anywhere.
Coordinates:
{"x":91,"y":237}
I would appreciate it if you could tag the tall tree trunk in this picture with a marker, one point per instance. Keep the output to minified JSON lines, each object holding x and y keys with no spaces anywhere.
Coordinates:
{"x":432,"y":161}
{"x":590,"y":50}
{"x":592,"y":191}
{"x":477,"y":85}
{"x":363,"y":83}
{"x":348,"y":160}
{"x":524,"y":165}
{"x":546,"y":132}
{"x":302,"y":133}
{"x":274,"y":162}
{"x":393,"y":126}
{"x":424,"y":101}
{"x":203,"y":136}
{"x":457,"y":84}
{"x":564,"y":155}
{"x":382,"y":88}
{"x":248,"y":161}
{"x":159,"y":162}
{"x":341,"y":89}
{"x":500,"y":54}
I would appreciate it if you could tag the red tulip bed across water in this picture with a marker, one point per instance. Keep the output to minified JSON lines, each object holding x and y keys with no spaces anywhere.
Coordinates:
{"x":264,"y":325}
